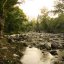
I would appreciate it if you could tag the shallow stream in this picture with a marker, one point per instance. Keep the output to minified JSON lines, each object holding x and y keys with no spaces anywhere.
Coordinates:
{"x":35,"y":56}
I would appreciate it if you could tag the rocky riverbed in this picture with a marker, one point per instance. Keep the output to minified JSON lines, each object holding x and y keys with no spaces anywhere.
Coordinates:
{"x":42,"y":40}
{"x":17,"y":43}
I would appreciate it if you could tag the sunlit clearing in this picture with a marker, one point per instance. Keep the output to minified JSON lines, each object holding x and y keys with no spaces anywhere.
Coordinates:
{"x":32,"y":7}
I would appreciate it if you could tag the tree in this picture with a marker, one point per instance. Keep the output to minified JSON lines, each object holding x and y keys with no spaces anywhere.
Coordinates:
{"x":44,"y":20}
{"x":5,"y":6}
{"x":59,"y":7}
{"x":14,"y":20}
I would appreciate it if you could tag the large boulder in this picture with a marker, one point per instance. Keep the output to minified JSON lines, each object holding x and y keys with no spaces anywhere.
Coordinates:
{"x":47,"y":46}
{"x":44,"y":46}
{"x":54,"y":45}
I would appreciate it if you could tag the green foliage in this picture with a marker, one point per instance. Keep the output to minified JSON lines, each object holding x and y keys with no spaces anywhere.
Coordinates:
{"x":10,"y":3}
{"x":54,"y":25}
{"x":60,"y":23}
{"x":44,"y":25}
{"x":59,"y":7}
{"x":37,"y":28}
{"x":1,"y":7}
{"x":6,"y":5}
{"x":14,"y":21}
{"x":29,"y":26}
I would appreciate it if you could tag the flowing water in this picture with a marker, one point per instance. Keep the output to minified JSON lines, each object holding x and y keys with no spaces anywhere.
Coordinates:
{"x":35,"y":56}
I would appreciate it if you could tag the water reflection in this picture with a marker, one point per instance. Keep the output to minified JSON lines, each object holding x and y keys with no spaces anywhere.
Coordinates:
{"x":35,"y":56}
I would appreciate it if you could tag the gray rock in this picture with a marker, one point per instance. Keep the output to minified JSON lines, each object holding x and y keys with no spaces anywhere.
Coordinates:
{"x":47,"y":46}
{"x":54,"y":45}
{"x":53,"y":52}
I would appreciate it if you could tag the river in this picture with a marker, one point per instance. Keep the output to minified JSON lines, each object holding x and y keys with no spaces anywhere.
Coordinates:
{"x":35,"y":56}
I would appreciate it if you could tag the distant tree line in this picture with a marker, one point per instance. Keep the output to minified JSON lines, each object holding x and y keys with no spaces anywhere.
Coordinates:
{"x":45,"y":23}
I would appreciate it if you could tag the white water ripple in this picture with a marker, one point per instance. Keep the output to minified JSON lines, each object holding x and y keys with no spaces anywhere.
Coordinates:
{"x":35,"y":56}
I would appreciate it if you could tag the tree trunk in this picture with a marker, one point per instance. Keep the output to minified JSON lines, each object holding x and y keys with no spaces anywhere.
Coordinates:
{"x":1,"y":27}
{"x":2,"y":20}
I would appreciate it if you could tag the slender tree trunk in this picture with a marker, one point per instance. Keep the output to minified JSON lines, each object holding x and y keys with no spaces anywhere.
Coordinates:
{"x":1,"y":27}
{"x":2,"y":20}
